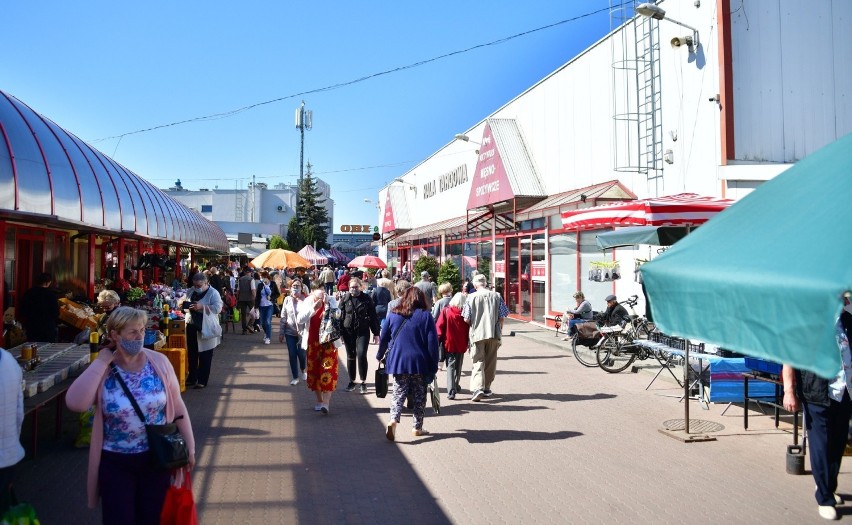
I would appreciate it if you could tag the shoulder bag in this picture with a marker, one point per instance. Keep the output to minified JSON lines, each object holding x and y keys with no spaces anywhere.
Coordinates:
{"x":167,"y":445}
{"x":381,"y":378}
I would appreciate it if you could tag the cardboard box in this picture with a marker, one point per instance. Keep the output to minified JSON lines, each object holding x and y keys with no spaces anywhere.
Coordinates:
{"x":177,"y":327}
{"x":177,"y":356}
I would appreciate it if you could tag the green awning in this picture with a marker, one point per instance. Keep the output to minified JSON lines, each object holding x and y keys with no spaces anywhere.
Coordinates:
{"x":766,"y":276}
{"x":654,"y":235}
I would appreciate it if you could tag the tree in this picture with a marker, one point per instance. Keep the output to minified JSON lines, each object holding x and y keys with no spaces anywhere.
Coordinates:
{"x":277,"y":242}
{"x":310,"y":224}
{"x":426,"y":263}
{"x":483,"y":266}
{"x":449,"y":273}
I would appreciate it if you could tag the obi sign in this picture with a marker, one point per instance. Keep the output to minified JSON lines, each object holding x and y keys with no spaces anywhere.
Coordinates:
{"x":490,"y":182}
{"x":355,"y":228}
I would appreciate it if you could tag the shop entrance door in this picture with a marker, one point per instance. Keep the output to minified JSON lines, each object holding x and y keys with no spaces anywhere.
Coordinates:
{"x":518,"y":293}
{"x":30,"y":264}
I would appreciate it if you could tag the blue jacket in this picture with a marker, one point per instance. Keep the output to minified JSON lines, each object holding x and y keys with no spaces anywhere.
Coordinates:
{"x":415,"y":348}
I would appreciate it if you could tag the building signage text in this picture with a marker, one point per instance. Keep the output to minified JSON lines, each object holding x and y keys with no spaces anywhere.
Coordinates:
{"x":355,"y":228}
{"x":445,"y":182}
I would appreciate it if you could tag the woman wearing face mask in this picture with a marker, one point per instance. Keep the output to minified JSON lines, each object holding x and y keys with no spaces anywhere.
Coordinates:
{"x":358,"y":319}
{"x":322,"y":357}
{"x":288,"y":330}
{"x":121,"y":473}
{"x":204,"y":301}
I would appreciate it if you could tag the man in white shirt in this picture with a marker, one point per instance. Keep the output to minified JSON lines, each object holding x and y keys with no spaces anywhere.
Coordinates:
{"x":11,"y":418}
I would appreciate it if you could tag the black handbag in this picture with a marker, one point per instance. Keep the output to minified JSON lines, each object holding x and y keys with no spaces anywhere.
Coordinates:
{"x":381,"y":378}
{"x":167,"y":445}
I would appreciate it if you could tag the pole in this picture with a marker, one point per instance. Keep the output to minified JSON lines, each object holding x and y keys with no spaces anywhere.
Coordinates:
{"x":301,"y":154}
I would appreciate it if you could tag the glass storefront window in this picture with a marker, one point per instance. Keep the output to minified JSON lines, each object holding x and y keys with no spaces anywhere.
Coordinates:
{"x":563,"y":270}
{"x":589,"y":251}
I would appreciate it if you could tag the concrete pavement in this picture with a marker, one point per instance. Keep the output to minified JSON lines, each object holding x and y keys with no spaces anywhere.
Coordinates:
{"x":558,"y":443}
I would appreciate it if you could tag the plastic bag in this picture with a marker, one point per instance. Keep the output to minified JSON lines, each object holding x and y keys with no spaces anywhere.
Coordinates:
{"x":253,"y":314}
{"x":236,"y":315}
{"x":84,"y":436}
{"x":179,"y":506}
{"x":210,"y":326}
{"x":19,"y":513}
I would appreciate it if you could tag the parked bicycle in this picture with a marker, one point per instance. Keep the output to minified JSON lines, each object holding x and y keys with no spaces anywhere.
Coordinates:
{"x":616,"y":350}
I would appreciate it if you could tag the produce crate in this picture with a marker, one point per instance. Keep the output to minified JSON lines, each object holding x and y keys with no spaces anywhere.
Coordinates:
{"x":177,"y":327}
{"x":177,"y":356}
{"x":763,"y":366}
{"x":177,"y":341}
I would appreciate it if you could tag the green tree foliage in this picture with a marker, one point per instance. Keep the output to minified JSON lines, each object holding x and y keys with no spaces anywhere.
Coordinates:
{"x":449,"y":273}
{"x":483,"y":266}
{"x":426,"y":263}
{"x":310,"y":224}
{"x":276,"y":242}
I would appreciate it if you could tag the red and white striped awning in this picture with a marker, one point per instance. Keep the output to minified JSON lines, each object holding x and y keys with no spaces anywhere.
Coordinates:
{"x":313,"y":256}
{"x":684,"y":209}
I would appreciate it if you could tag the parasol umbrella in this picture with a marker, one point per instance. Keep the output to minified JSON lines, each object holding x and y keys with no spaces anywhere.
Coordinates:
{"x":654,"y":235}
{"x":367,"y":261}
{"x":766,"y":277}
{"x":311,"y":254}
{"x":278,"y":258}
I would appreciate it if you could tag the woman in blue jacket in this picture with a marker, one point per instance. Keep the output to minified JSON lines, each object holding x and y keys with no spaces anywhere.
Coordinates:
{"x":409,"y":346}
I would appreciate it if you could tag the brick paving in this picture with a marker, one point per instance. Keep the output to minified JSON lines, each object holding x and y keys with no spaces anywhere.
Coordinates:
{"x":558,"y":443}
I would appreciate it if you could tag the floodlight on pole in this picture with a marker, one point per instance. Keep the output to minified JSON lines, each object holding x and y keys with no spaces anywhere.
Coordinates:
{"x":412,"y":186}
{"x":658,"y":13}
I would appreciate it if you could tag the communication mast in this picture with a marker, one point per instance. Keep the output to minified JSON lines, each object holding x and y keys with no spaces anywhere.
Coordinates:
{"x":304,"y":121}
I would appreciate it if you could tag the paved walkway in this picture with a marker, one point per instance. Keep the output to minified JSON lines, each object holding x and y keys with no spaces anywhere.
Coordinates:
{"x":558,"y":443}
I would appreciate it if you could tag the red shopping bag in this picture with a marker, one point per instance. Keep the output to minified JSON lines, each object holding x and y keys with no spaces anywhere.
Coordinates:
{"x":179,"y":507}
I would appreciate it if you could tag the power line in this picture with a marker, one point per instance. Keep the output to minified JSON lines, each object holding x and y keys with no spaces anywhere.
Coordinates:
{"x":231,"y":113}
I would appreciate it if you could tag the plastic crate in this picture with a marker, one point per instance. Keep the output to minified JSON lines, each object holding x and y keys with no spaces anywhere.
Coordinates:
{"x":760,"y":365}
{"x":177,"y":356}
{"x":177,"y":341}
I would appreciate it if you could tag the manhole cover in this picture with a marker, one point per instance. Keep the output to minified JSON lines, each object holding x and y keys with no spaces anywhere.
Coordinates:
{"x":695,"y":425}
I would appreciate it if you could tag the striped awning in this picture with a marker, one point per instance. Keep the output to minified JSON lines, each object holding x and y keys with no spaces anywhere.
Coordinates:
{"x":313,"y":256}
{"x":685,"y":209}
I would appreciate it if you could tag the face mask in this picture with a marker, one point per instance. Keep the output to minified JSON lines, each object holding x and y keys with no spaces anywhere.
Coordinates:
{"x":356,"y":293}
{"x":132,"y":346}
{"x":198,"y":289}
{"x":297,"y":290}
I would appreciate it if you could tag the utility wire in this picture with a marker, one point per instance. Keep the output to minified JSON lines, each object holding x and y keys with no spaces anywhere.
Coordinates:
{"x":233,"y":112}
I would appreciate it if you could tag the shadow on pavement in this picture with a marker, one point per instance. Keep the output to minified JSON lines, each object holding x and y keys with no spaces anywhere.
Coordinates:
{"x":497,"y":398}
{"x":498,"y":436}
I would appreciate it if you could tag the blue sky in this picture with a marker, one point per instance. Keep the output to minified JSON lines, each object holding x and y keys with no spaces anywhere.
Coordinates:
{"x":101,"y":69}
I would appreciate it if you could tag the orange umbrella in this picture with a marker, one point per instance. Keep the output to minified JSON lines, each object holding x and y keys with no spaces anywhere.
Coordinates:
{"x":279,"y":259}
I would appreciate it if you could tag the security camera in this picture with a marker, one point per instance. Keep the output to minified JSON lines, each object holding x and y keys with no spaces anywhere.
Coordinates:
{"x":682,"y":41}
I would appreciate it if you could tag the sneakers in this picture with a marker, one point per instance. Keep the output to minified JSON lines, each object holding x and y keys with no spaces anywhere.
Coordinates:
{"x":837,"y":499}
{"x":477,"y":395}
{"x":266,"y":340}
{"x":317,"y":407}
{"x":451,"y":395}
{"x":827,"y":512}
{"x":487,"y":393}
{"x":363,"y":388}
{"x":351,"y":386}
{"x":324,"y":409}
{"x":294,"y":382}
{"x":304,"y":376}
{"x":421,"y":432}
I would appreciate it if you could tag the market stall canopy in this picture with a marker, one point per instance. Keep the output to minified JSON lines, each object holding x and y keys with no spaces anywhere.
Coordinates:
{"x":279,"y":259}
{"x":766,"y":277}
{"x":313,"y":256}
{"x":252,"y":252}
{"x":331,"y":257}
{"x":339,"y":257}
{"x":367,"y":261}
{"x":632,"y":235}
{"x":684,"y":209}
{"x":57,"y":179}
{"x":236,"y":250}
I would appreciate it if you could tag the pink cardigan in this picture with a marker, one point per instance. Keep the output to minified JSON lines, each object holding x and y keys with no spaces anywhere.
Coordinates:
{"x":81,"y":396}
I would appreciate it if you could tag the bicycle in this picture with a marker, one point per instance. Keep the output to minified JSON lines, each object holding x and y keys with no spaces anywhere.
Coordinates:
{"x":616,"y":351}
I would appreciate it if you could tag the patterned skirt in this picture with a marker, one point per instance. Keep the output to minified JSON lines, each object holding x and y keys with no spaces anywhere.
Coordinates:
{"x":322,"y":367}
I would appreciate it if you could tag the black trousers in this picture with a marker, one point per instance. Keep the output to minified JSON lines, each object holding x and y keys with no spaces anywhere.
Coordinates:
{"x":828,"y":429}
{"x":356,"y":353}
{"x":197,"y":363}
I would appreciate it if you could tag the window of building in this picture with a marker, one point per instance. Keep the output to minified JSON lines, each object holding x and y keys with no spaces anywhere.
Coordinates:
{"x":563,"y":270}
{"x":206,"y":208}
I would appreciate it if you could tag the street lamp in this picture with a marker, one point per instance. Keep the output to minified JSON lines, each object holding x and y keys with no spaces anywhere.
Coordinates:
{"x":658,"y":13}
{"x":464,"y":138}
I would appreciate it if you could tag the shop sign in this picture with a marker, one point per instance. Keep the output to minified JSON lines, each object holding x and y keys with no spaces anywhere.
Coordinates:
{"x":500,"y":267}
{"x":538,"y":270}
{"x":388,"y":223}
{"x":490,"y":182}
{"x":355,"y":228}
{"x":446,"y":182}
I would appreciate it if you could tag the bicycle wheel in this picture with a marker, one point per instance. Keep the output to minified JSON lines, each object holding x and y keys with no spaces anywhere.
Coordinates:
{"x":584,"y":354}
{"x":644,"y":329}
{"x":613,"y":356}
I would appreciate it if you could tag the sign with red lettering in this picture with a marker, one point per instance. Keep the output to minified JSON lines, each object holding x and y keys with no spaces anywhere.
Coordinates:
{"x":388,"y":223}
{"x":490,"y":182}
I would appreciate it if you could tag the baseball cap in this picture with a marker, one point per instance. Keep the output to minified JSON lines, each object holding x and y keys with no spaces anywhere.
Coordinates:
{"x":424,"y":273}
{"x":611,"y":298}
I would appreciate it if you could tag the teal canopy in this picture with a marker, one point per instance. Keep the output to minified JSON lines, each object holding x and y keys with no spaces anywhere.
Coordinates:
{"x":766,"y":276}
{"x":654,"y":235}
